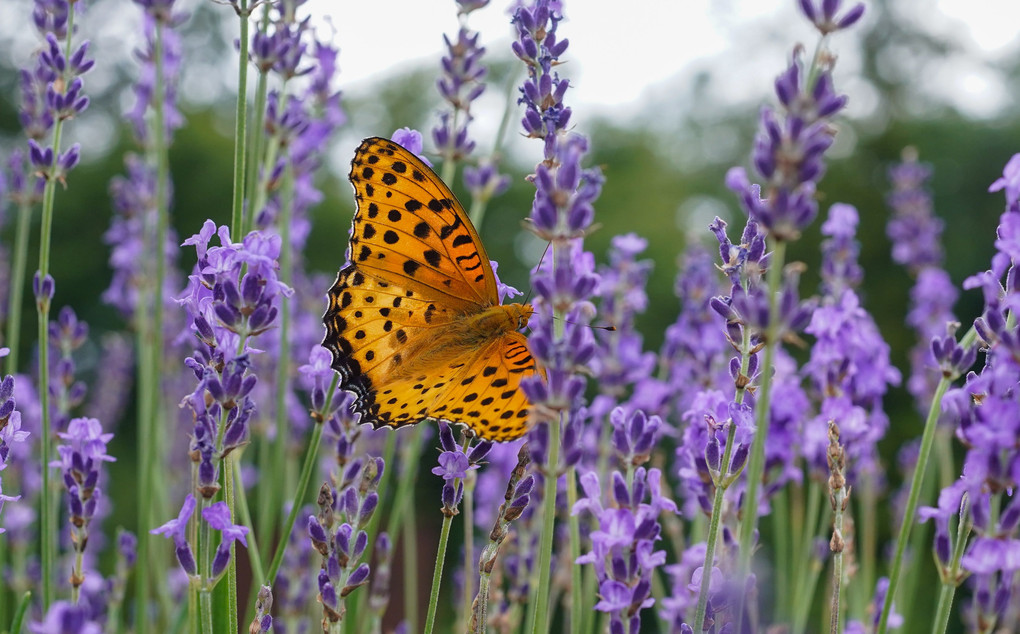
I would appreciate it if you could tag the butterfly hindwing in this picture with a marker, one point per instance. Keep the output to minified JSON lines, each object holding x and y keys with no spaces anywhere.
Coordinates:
{"x":486,"y":396}
{"x":369,"y":324}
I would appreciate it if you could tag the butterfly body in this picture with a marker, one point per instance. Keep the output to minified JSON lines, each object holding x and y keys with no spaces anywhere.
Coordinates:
{"x":414,"y":321}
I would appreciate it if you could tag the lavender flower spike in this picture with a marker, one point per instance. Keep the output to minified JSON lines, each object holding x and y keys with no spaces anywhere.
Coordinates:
{"x":788,"y":152}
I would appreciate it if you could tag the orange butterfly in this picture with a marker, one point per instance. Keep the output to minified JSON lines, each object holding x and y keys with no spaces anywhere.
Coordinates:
{"x":414,"y":320}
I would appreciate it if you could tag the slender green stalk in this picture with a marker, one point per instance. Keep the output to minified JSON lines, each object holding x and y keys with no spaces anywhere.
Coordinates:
{"x":152,"y":341}
{"x":240,"y":130}
{"x":807,"y":575}
{"x":254,"y":556}
{"x":756,"y":461}
{"x":578,"y":602}
{"x":19,"y":615}
{"x":713,"y":531}
{"x":540,"y":616}
{"x":437,"y":573}
{"x":927,"y":438}
{"x":258,"y":136}
{"x":867,"y":528}
{"x":469,"y":546}
{"x":307,"y":468}
{"x":405,"y":485}
{"x":205,"y":610}
{"x":274,"y":492}
{"x":943,"y":608}
{"x":144,"y":493}
{"x":14,"y":304}
{"x":230,"y":495}
{"x":450,"y":163}
{"x":781,"y":542}
{"x":48,"y":533}
{"x":952,"y":578}
{"x":410,"y":551}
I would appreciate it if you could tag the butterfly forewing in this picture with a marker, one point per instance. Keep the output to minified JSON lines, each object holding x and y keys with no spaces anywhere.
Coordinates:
{"x":409,"y":228}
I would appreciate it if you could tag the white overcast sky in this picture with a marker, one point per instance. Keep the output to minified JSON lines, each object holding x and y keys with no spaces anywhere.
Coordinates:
{"x":617,"y":53}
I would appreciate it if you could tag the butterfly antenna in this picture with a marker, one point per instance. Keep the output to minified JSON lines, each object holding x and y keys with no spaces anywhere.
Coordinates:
{"x":538,"y":266}
{"x":607,"y":328}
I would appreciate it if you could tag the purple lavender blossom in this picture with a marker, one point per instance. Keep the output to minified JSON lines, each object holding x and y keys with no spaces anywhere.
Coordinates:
{"x":10,"y":429}
{"x":218,"y":516}
{"x":916,"y":235}
{"x":53,"y":90}
{"x":66,"y":618}
{"x":562,"y":211}
{"x":462,"y":82}
{"x":849,"y":365}
{"x":160,"y":21}
{"x":621,"y":362}
{"x":67,"y":334}
{"x":294,"y":585}
{"x":693,"y":354}
{"x":177,"y":529}
{"x":623,"y":546}
{"x":823,"y":14}
{"x":790,"y":146}
{"x":454,"y":464}
{"x":113,"y":383}
{"x":410,"y":140}
{"x":986,"y":411}
{"x":337,"y":532}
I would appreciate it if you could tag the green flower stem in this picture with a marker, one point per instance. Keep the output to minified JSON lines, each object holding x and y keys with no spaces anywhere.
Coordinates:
{"x":258,"y":136}
{"x":437,"y":572}
{"x":405,"y":485}
{"x":481,"y":603}
{"x":14,"y":304}
{"x":953,"y":576}
{"x":19,"y":615}
{"x":149,"y":437}
{"x":273,"y":495}
{"x":807,"y":575}
{"x":540,"y":615}
{"x":927,"y":439}
{"x":782,"y":542}
{"x":867,"y":550}
{"x":410,"y":550}
{"x":205,"y":610}
{"x":230,"y":494}
{"x":254,"y":556}
{"x":450,"y":163}
{"x":756,"y":461}
{"x":722,"y":482}
{"x":240,"y":130}
{"x":47,"y":534}
{"x":578,"y":602}
{"x":307,"y":468}
{"x":403,"y":507}
{"x":469,"y":546}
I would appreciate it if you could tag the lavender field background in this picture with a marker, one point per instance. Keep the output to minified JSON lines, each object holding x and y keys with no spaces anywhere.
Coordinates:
{"x":875,"y":165}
